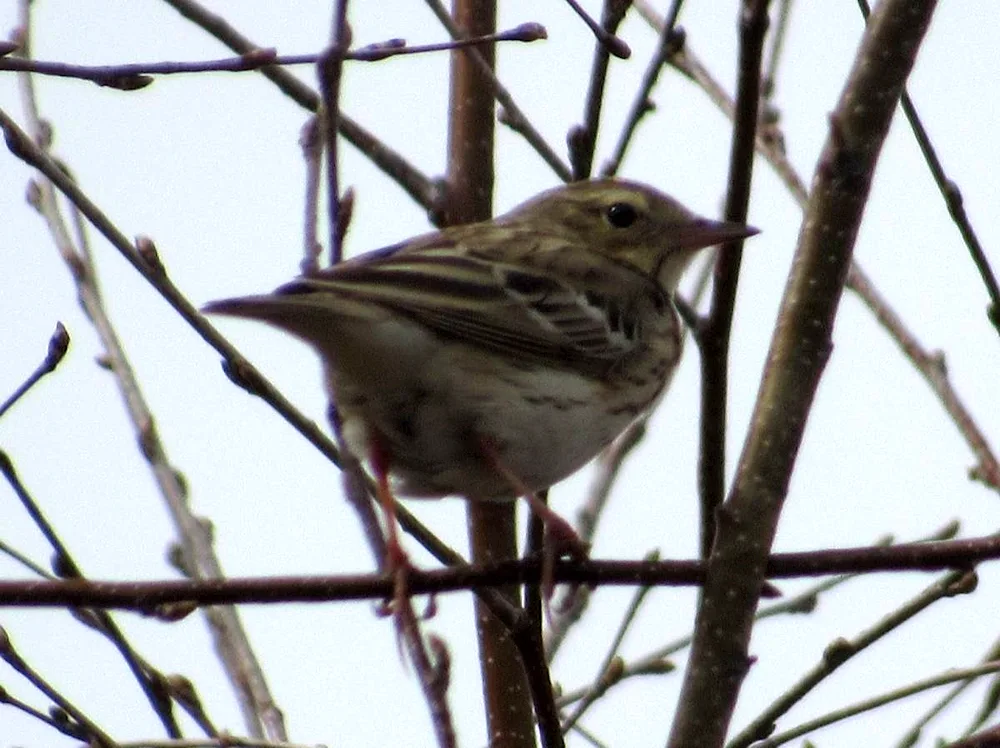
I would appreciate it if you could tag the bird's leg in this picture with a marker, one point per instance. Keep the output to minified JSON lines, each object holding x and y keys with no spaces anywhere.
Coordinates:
{"x":560,"y":537}
{"x":397,"y":562}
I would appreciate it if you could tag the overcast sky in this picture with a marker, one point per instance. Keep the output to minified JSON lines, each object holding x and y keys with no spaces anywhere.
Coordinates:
{"x":209,"y":166}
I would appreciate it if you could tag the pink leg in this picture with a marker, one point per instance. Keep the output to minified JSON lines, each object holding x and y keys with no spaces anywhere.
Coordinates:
{"x":397,"y":562}
{"x":561,"y":538}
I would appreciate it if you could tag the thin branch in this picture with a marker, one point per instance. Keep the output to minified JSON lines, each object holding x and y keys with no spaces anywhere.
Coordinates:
{"x":604,"y":33}
{"x":137,"y":75}
{"x":92,"y":732}
{"x":424,"y":191}
{"x":911,"y":736}
{"x":769,"y":144}
{"x":841,"y":650}
{"x":610,"y":669}
{"x":530,"y":640}
{"x":146,"y":596}
{"x":174,"y":686}
{"x":953,"y":199}
{"x":949,"y":676}
{"x":775,"y":50}
{"x":58,"y":345}
{"x":330,"y":67}
{"x":22,"y":558}
{"x":582,"y":138}
{"x":934,"y":371}
{"x":312,"y":153}
{"x":806,"y":601}
{"x":670,"y":39}
{"x":66,"y":567}
{"x":714,"y":334}
{"x":511,"y":114}
{"x":56,"y":719}
{"x":433,"y":673}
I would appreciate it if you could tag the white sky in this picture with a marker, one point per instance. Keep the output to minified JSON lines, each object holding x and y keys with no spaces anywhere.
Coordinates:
{"x":209,"y":167}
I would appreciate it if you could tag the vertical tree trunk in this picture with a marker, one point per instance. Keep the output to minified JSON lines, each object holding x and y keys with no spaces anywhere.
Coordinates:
{"x":492,"y":528}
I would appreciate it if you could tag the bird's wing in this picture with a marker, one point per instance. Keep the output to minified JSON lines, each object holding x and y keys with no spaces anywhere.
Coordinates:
{"x":585,"y":317}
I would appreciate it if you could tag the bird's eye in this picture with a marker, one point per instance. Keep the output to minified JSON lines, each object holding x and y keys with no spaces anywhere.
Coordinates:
{"x":621,"y":215}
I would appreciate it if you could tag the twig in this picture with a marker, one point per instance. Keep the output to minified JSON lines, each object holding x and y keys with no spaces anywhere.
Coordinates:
{"x":769,"y":145}
{"x":312,"y":154}
{"x":953,"y":199}
{"x":841,"y":650}
{"x":776,"y":48}
{"x":670,"y":39}
{"x":713,"y":338}
{"x":58,"y":345}
{"x":949,"y":676}
{"x":66,"y":567}
{"x":610,"y":670}
{"x":934,"y":371}
{"x":330,"y":66}
{"x":56,"y":719}
{"x":911,"y":736}
{"x":424,"y":191}
{"x":433,"y":674}
{"x":511,"y":114}
{"x":604,"y":32}
{"x":530,"y":640}
{"x":137,"y":75}
{"x":582,"y":138}
{"x":656,"y":662}
{"x":10,"y":655}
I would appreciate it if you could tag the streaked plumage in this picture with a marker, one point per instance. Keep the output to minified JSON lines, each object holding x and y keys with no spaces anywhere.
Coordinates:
{"x":536,"y":337}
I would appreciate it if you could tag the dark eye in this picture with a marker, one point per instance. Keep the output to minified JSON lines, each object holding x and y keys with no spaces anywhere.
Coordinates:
{"x":622,"y":215}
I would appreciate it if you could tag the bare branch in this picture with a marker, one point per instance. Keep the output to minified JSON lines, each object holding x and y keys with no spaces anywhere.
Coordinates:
{"x":58,"y":345}
{"x":949,"y":676}
{"x":422,"y":189}
{"x":953,"y":199}
{"x":770,"y":145}
{"x":841,"y":650}
{"x":582,"y":138}
{"x":147,"y":596}
{"x":799,"y":351}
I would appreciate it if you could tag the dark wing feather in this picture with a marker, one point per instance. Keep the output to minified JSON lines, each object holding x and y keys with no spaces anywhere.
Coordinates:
{"x":520,"y":310}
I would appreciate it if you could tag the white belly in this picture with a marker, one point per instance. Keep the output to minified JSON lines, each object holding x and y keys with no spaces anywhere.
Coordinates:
{"x":438,"y":434}
{"x":444,"y":414}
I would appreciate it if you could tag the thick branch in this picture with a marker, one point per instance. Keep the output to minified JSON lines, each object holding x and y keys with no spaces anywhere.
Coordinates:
{"x":799,"y":351}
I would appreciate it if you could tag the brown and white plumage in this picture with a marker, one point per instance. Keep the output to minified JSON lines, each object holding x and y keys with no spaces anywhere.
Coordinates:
{"x":531,"y":340}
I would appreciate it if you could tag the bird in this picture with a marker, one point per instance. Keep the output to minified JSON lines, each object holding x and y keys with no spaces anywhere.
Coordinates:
{"x":491,"y":360}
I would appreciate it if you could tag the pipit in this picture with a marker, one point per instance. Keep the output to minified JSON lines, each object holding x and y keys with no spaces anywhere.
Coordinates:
{"x":494,"y":359}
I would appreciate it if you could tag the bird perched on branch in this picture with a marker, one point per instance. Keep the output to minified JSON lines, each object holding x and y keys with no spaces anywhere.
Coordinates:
{"x":494,"y":359}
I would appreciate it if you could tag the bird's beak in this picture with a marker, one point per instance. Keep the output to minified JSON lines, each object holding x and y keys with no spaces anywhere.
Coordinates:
{"x":704,"y":232}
